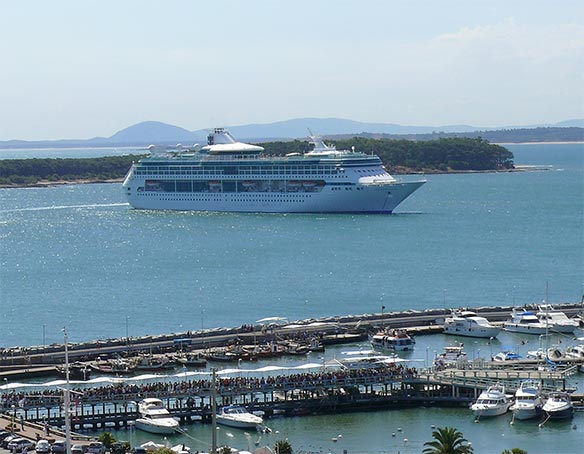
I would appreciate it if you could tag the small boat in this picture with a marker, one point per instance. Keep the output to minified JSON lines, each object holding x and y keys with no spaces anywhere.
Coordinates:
{"x":552,"y":353}
{"x":467,"y":323}
{"x":396,"y":340}
{"x":191,"y":360}
{"x":492,"y":402}
{"x":154,"y":363}
{"x":114,"y":367}
{"x":559,"y":406}
{"x":366,"y":359}
{"x":452,"y":356}
{"x":576,"y":352}
{"x":237,"y":416}
{"x":525,"y":322}
{"x":506,"y":355}
{"x":155,"y":418}
{"x":556,"y":320}
{"x":528,"y":401}
{"x":77,"y":371}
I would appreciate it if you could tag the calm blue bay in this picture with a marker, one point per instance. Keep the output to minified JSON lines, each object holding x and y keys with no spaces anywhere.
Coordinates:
{"x":80,"y":256}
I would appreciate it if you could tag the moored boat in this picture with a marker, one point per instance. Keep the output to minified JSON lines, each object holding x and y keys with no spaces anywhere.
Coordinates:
{"x":396,"y":340}
{"x":155,"y":418}
{"x":492,"y":402}
{"x":556,"y":320}
{"x":528,"y":401}
{"x":237,"y":416}
{"x":559,"y":405}
{"x":468,"y":323}
{"x":525,"y":322}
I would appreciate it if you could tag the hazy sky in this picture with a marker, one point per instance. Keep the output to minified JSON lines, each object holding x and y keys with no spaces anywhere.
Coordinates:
{"x":79,"y":69}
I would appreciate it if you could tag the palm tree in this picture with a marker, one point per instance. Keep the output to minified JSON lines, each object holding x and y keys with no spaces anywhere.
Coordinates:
{"x":448,"y":441}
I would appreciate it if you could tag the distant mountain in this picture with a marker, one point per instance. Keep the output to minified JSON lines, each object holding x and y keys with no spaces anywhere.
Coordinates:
{"x":155,"y":132}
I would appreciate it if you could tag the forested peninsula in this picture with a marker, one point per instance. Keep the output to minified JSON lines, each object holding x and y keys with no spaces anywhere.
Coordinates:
{"x":398,"y":156}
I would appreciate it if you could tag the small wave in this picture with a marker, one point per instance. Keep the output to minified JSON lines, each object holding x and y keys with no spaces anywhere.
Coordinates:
{"x":66,"y":207}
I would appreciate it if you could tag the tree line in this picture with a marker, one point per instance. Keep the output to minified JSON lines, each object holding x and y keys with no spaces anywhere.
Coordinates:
{"x":399,"y":156}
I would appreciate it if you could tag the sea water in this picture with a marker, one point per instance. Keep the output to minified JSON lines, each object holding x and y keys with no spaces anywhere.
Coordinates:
{"x":79,"y":256}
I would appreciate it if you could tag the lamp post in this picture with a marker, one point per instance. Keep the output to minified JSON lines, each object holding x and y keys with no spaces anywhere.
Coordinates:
{"x":127,"y":331}
{"x":67,"y":403}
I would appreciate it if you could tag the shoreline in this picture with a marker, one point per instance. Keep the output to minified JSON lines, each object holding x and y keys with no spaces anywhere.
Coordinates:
{"x":49,"y":184}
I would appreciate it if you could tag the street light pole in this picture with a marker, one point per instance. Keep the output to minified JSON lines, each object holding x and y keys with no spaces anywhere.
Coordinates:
{"x":67,"y":400}
{"x":127,"y":331}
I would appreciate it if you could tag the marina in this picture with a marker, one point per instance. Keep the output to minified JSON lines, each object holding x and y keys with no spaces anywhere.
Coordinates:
{"x":404,"y":264}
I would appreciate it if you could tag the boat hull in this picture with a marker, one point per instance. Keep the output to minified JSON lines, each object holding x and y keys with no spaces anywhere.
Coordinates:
{"x":148,"y":426}
{"x":563,"y":413}
{"x":374,"y":198}
{"x":481,"y":333}
{"x":514,"y":328}
{"x":488,"y":411}
{"x":527,"y":412}
{"x":239,"y":424}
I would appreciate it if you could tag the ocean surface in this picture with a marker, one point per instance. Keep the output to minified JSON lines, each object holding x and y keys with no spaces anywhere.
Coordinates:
{"x":79,"y":256}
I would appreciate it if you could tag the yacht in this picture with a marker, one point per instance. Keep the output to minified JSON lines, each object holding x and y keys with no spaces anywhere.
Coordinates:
{"x":559,"y":406}
{"x":238,"y":416}
{"x":227,"y":175}
{"x":528,"y":401}
{"x":576,"y":352}
{"x":396,"y":340}
{"x":452,"y":356}
{"x":556,"y":320}
{"x":525,"y":322}
{"x":468,"y":323}
{"x":506,"y":355}
{"x":155,"y":418}
{"x":492,"y":402}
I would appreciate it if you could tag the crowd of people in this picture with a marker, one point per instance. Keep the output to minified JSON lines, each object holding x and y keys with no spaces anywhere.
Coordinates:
{"x":225,"y":386}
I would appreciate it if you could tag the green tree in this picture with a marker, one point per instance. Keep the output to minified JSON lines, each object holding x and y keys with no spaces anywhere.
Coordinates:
{"x":283,"y":447}
{"x":164,"y":451}
{"x":514,"y":451}
{"x":107,"y":439}
{"x":447,"y":441}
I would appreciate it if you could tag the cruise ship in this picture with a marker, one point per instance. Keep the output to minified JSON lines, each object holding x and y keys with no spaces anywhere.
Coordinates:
{"x":227,"y":175}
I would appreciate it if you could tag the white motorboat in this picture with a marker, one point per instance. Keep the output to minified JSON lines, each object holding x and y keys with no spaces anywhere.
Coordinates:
{"x":468,"y":323}
{"x":237,"y":416}
{"x":492,"y":402}
{"x":365,"y":359}
{"x":397,"y":340}
{"x":452,"y":356}
{"x":506,"y":355}
{"x":528,"y":401}
{"x":576,"y":352}
{"x":556,"y":320}
{"x":155,"y":418}
{"x":559,"y":406}
{"x":525,"y":322}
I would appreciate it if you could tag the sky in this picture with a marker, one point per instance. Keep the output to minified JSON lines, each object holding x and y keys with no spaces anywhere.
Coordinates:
{"x":78,"y":69}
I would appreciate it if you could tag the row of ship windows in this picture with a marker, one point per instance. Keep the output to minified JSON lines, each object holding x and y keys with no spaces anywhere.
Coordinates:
{"x":257,"y":197}
{"x":253,"y":169}
{"x":193,"y":199}
{"x":240,"y":173}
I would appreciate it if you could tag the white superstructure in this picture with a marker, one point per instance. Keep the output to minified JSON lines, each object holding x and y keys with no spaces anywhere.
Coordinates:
{"x":492,"y":402}
{"x":528,"y":401}
{"x":227,"y":175}
{"x":525,"y":322}
{"x":467,"y":323}
{"x":238,"y":416}
{"x":556,"y":320}
{"x":155,"y":418}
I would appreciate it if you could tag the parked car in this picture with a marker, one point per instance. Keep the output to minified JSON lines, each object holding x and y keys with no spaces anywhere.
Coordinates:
{"x":4,"y":434}
{"x":58,"y":447}
{"x":20,"y":444}
{"x":7,"y":440}
{"x":78,"y":449}
{"x":96,"y":447}
{"x":42,"y":447}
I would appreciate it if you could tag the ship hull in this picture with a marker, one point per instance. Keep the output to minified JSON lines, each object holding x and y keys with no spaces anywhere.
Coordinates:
{"x":367,"y":199}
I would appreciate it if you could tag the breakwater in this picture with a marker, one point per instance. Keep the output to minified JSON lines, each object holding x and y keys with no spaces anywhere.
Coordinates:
{"x":338,"y":329}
